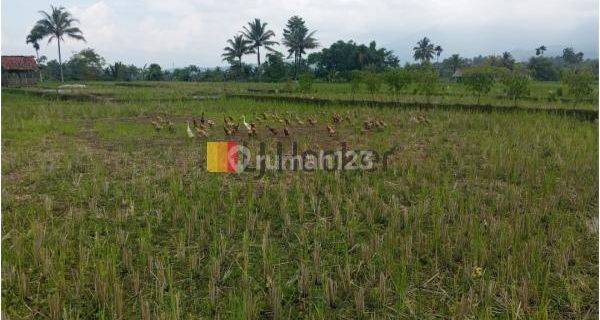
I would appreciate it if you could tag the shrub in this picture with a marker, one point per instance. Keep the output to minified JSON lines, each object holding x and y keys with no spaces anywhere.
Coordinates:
{"x":542,"y":68}
{"x":372,"y":80}
{"x":355,"y":81}
{"x":479,"y":80}
{"x":552,"y":95}
{"x":427,"y":80}
{"x":288,"y":86}
{"x":306,"y":81}
{"x":397,"y":79}
{"x":579,"y":83}
{"x":517,"y":85}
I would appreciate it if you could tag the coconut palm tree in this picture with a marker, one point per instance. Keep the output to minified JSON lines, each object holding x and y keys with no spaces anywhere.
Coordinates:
{"x":238,"y":47}
{"x":34,"y":36}
{"x":58,"y":24}
{"x":297,"y":38}
{"x":455,"y":62}
{"x":540,"y":50}
{"x":438,"y":52}
{"x":424,"y":50}
{"x":259,"y":36}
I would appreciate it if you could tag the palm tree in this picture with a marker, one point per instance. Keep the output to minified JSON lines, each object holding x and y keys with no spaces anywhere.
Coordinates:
{"x":34,"y":36}
{"x":540,"y":50}
{"x":259,"y":36}
{"x":455,"y":62}
{"x":438,"y":51}
{"x":238,"y":47}
{"x":424,"y":50}
{"x":56,"y":25}
{"x":362,"y":53}
{"x":507,"y":60}
{"x":297,"y":38}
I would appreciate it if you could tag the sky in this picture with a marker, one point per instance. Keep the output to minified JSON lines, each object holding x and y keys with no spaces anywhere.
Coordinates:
{"x":177,"y":33}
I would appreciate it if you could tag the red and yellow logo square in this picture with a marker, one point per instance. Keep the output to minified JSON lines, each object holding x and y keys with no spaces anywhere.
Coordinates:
{"x":221,"y":156}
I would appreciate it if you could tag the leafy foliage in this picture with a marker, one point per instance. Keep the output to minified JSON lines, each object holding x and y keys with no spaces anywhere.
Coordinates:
{"x":275,"y":68}
{"x":398,"y":78}
{"x":570,"y":57}
{"x":424,"y":50}
{"x":154,"y":72}
{"x":427,"y":80}
{"x":540,"y":50}
{"x":259,"y":36}
{"x":121,"y":72}
{"x":85,"y":65}
{"x":479,"y":80}
{"x":543,"y":68}
{"x":579,"y":83}
{"x":355,"y":81}
{"x":344,"y":57}
{"x":35,"y":35}
{"x":372,"y":81}
{"x":298,"y":39}
{"x":516,"y":85}
{"x":305,"y":81}
{"x":237,"y":48}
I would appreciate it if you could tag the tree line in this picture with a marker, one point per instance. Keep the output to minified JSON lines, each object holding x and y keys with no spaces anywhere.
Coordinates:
{"x":336,"y":63}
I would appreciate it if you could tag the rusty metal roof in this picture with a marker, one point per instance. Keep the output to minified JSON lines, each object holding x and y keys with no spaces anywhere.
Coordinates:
{"x":19,"y":63}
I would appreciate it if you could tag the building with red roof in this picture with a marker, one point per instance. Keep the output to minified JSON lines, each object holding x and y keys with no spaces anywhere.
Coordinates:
{"x":19,"y":71}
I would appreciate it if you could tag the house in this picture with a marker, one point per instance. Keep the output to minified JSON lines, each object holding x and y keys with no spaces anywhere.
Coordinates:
{"x":19,"y":71}
{"x":457,"y":75}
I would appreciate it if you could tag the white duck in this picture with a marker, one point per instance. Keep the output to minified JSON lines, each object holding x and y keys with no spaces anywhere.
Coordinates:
{"x":189,"y":131}
{"x":246,"y":124}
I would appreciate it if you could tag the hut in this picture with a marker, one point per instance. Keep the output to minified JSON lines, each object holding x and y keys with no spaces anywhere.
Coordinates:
{"x":457,"y":75}
{"x":19,"y":71}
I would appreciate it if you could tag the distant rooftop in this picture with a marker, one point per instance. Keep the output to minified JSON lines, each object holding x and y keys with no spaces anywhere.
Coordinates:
{"x":19,"y":63}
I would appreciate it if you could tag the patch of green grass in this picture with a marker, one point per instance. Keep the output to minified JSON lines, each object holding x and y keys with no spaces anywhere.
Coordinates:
{"x":542,"y":94}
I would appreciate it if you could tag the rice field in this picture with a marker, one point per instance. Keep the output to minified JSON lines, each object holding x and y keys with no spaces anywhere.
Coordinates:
{"x":478,"y":215}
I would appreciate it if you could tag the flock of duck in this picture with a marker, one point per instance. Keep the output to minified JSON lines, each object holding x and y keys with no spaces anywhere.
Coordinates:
{"x":202,"y":127}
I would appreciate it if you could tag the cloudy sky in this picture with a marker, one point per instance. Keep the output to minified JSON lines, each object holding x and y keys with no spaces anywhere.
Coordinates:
{"x":182,"y":32}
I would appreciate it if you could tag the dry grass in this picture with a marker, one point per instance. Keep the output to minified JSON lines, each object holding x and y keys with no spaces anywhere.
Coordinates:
{"x":479,"y":216}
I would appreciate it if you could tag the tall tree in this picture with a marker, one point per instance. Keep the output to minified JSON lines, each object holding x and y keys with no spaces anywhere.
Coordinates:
{"x":343,"y":57}
{"x":438,"y":51}
{"x":259,"y":36}
{"x":238,"y":47}
{"x":539,"y":51}
{"x":507,"y":60}
{"x":58,"y":24}
{"x":424,"y":50}
{"x":297,"y":38}
{"x":34,"y":36}
{"x":455,"y":62}
{"x":570,"y":57}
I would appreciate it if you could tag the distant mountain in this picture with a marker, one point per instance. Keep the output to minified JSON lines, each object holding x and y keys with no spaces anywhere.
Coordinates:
{"x":552,"y":51}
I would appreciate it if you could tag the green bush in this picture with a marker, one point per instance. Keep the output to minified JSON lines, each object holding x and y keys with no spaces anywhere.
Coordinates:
{"x":397,"y":79}
{"x":372,"y":80}
{"x":516,"y":85}
{"x":355,"y":81}
{"x":427,"y":80}
{"x":306,"y":81}
{"x":288,"y":86}
{"x":579,"y":83}
{"x":479,"y":80}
